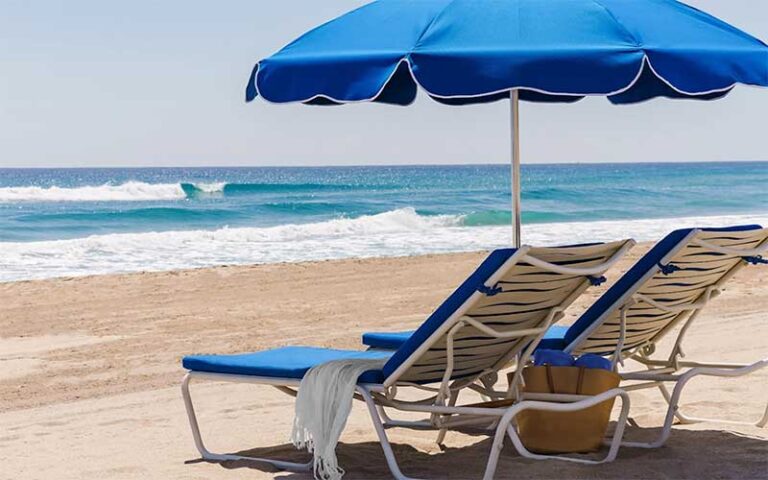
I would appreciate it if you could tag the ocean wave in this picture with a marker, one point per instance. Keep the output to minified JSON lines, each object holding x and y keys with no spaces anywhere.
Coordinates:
{"x":399,"y":232}
{"x":125,"y":192}
{"x":142,"y":192}
{"x":196,"y":188}
{"x":163,"y":214}
{"x":224,"y":188}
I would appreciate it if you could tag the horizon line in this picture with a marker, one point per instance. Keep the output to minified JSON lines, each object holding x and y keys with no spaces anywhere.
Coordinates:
{"x":374,"y":165}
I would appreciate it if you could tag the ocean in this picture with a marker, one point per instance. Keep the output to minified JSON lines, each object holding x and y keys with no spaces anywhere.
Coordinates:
{"x":70,"y":222}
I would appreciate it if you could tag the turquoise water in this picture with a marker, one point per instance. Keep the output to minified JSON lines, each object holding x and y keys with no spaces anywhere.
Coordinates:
{"x":78,"y":221}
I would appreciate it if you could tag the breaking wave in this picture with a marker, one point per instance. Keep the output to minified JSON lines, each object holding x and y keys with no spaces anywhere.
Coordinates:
{"x":143,"y":192}
{"x":126,"y":192}
{"x":398,"y":232}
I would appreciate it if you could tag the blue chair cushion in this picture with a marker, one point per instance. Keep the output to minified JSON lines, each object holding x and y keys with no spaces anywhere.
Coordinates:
{"x":386,"y":340}
{"x":554,"y":339}
{"x":647,"y":263}
{"x":286,"y":362}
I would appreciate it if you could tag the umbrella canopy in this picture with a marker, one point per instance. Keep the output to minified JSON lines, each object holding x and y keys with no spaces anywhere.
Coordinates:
{"x":475,"y":51}
{"x":465,"y":51}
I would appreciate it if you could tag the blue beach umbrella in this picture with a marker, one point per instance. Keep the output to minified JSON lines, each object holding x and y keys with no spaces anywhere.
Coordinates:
{"x":475,"y":51}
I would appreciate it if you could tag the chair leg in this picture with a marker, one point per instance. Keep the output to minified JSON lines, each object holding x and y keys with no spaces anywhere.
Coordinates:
{"x":388,"y":421}
{"x":687,"y":420}
{"x":506,"y":428}
{"x":208,"y":455}
{"x":763,"y":421}
{"x":674,"y":401}
{"x":443,"y":431}
{"x":488,"y":382}
{"x":389,"y":454}
{"x":668,"y":398}
{"x":672,"y":412}
{"x":383,"y":414}
{"x":720,"y":372}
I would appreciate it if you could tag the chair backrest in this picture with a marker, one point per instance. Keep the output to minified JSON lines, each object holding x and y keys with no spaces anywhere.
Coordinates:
{"x":512,"y":292}
{"x":665,"y":287}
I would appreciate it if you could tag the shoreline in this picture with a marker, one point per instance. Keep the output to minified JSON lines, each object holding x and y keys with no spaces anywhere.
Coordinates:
{"x":243,"y":266}
{"x":400,"y":233}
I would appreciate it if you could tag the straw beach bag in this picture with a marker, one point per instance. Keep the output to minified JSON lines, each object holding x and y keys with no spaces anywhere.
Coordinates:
{"x":581,"y":431}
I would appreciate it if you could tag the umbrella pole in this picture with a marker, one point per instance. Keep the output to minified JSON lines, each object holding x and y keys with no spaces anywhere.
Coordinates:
{"x":514,"y":97}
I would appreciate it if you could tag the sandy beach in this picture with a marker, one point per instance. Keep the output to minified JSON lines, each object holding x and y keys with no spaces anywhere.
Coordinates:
{"x":89,"y":384}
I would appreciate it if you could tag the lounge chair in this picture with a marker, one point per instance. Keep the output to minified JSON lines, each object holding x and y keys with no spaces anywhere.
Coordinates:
{"x":497,"y":315}
{"x":668,"y":287}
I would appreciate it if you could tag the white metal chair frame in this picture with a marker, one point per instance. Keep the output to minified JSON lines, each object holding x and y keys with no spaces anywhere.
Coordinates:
{"x":441,"y":408}
{"x":674,"y":368}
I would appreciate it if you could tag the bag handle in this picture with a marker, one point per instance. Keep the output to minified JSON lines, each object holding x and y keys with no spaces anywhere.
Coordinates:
{"x":550,"y":379}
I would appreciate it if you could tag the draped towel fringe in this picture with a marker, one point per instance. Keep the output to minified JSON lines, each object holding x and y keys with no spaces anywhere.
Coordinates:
{"x":323,"y":404}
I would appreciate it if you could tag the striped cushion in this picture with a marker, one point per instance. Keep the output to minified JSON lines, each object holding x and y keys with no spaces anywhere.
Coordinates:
{"x":489,"y":266}
{"x":699,"y":269}
{"x":527,"y":295}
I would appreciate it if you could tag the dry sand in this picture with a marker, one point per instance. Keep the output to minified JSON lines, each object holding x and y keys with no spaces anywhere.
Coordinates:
{"x":90,"y":372}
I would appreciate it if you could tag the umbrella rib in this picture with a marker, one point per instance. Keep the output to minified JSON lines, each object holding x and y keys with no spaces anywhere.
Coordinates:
{"x":620,"y":25}
{"x":426,"y":29}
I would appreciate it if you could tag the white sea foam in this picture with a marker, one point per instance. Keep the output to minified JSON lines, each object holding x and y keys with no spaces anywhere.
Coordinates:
{"x":395,"y":233}
{"x":126,"y":192}
{"x":216,"y":187}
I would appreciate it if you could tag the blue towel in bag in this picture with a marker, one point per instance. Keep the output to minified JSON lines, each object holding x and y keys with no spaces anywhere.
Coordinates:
{"x":590,"y":360}
{"x":558,"y":358}
{"x":555,"y":358}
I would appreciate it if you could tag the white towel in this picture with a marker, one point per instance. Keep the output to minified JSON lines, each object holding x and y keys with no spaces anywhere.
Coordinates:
{"x":322,"y":408}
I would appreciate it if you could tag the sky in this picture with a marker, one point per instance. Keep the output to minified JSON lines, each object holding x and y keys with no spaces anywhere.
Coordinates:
{"x":88,"y":83}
